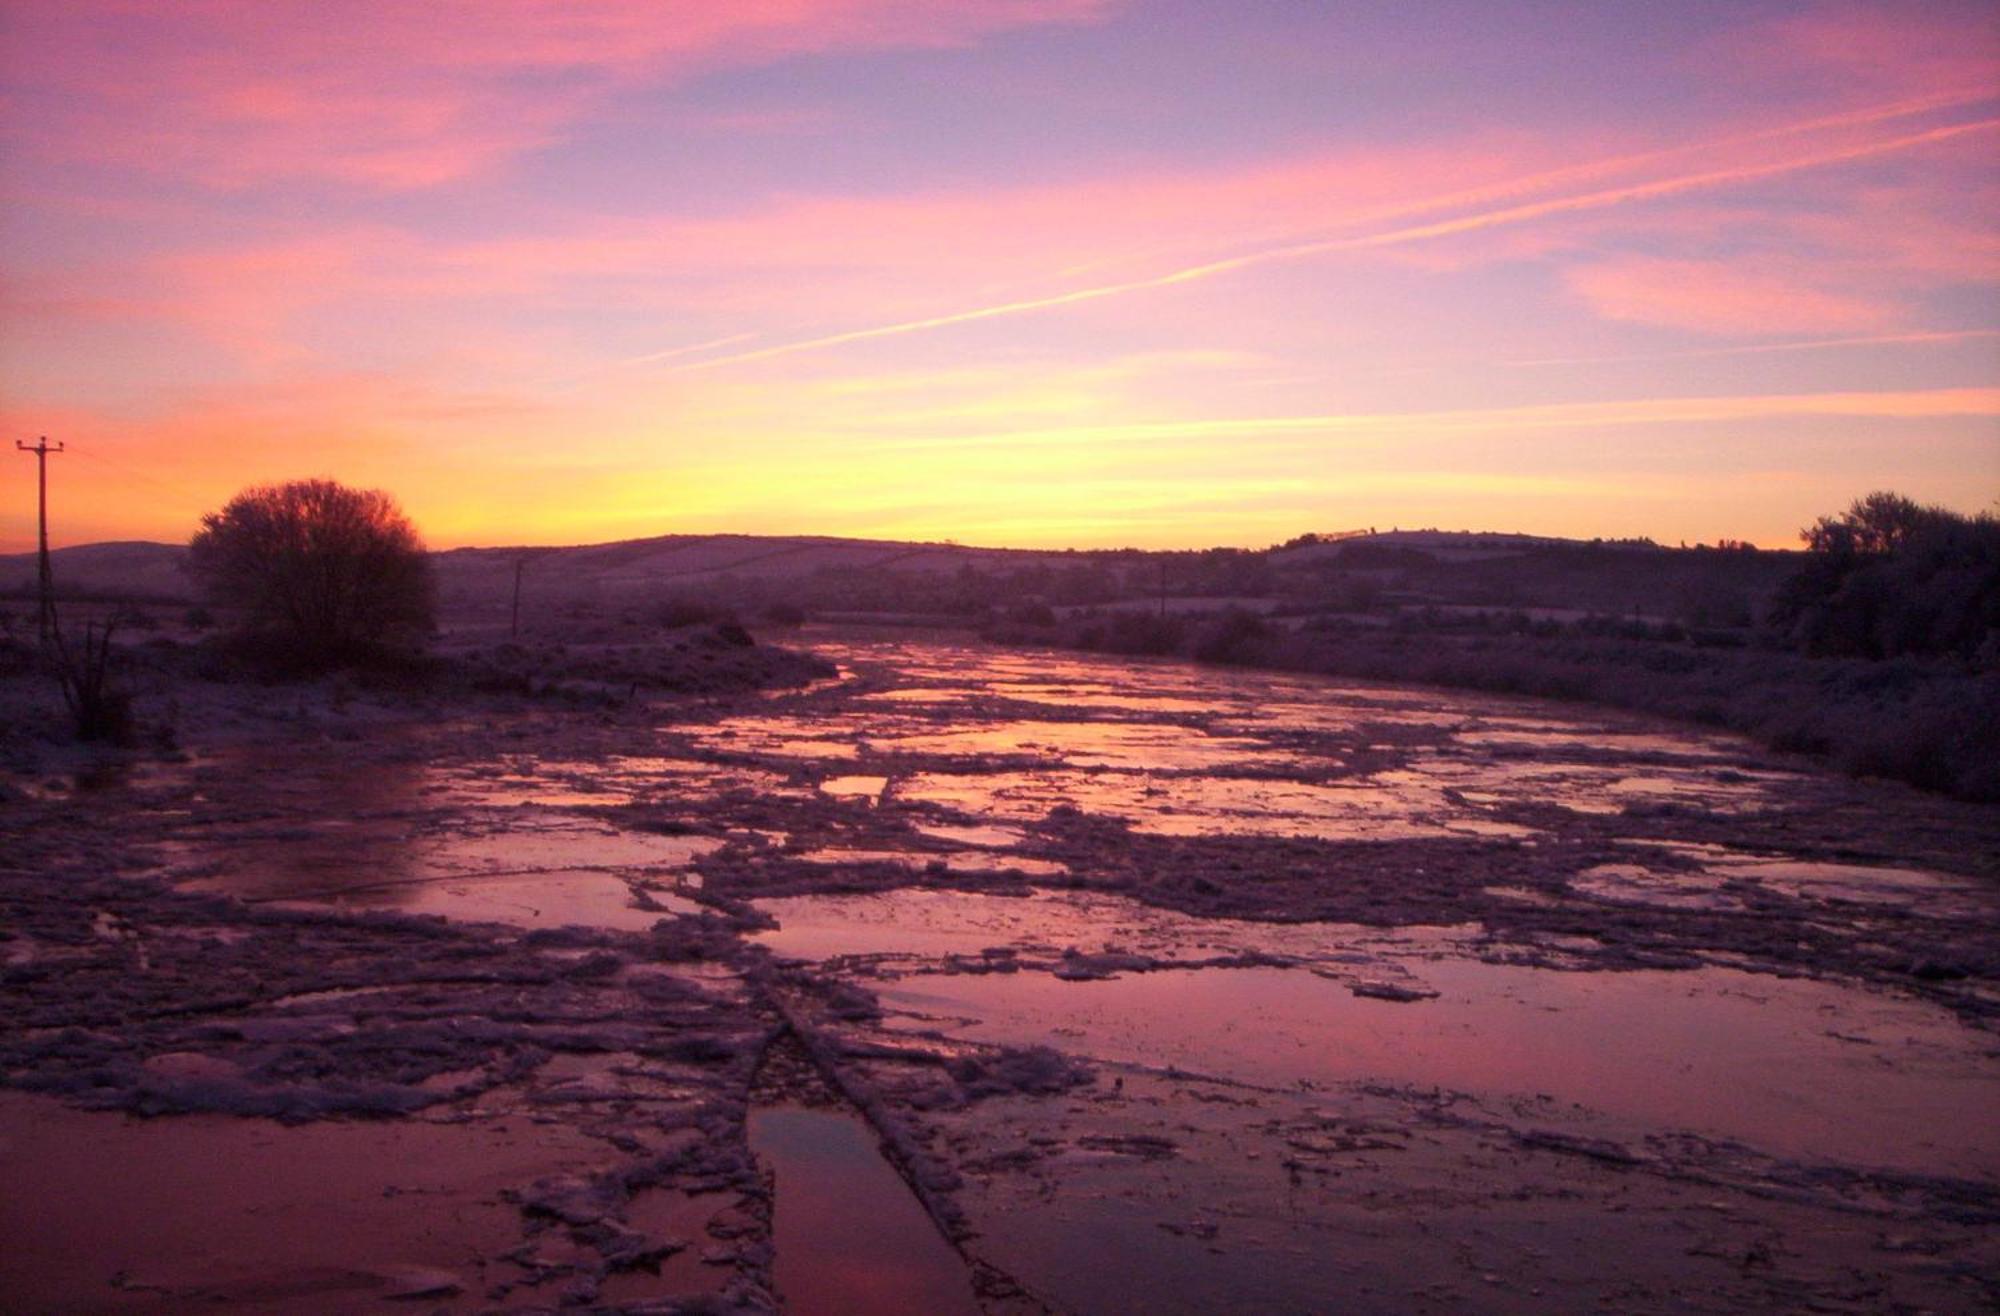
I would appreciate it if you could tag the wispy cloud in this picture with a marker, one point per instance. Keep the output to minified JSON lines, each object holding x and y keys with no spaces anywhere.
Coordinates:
{"x":1570,"y":203}
{"x":1909,"y":404}
{"x":1741,"y":297}
{"x":1921,"y":338}
{"x":408,"y":94}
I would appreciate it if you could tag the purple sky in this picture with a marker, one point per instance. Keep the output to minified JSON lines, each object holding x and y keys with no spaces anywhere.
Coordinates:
{"x":1038,"y":272}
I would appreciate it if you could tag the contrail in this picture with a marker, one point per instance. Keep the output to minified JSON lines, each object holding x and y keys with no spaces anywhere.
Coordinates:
{"x":1529,"y":183}
{"x":1598,"y":200}
{"x":1594,"y":200}
{"x":1644,"y":191}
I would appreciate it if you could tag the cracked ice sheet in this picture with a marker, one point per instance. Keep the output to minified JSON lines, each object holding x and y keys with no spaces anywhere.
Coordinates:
{"x":1813,"y":818}
{"x":1791,"y":1068}
{"x":530,"y":867}
{"x":571,"y":1039}
{"x":107,"y":1213}
{"x":1207,"y":806}
{"x":1176,"y":1197}
{"x":918,"y":925}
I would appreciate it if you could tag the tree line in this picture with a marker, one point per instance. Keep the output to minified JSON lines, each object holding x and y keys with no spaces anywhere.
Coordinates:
{"x":1890,"y":577}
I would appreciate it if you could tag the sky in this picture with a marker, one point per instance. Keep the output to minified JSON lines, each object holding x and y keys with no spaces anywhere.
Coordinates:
{"x":1045,"y":273}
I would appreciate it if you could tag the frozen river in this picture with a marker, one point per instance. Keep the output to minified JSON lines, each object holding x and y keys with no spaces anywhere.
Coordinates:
{"x":1171,"y":989}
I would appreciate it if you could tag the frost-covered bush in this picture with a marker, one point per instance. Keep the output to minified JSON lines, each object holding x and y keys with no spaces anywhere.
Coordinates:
{"x":325,"y":571}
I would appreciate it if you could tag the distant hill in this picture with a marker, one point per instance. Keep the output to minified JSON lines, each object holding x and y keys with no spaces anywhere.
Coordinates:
{"x":479,"y":576}
{"x":472,"y":580}
{"x":1413,"y":566}
{"x":132,"y":568}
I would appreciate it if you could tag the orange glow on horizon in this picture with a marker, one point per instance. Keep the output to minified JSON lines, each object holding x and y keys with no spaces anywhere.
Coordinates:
{"x":622,"y":269}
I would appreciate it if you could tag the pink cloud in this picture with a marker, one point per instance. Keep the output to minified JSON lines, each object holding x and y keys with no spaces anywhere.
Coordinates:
{"x":999,"y":234}
{"x":1876,"y":50}
{"x":1553,"y":197}
{"x":392,"y":94}
{"x":1848,"y":52}
{"x":1719,"y":297}
{"x":803,"y":259}
{"x":842,"y":267}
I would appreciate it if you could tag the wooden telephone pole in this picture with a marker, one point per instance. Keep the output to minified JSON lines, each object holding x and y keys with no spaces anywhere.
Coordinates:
{"x":47,"y":616}
{"x":514,"y":625}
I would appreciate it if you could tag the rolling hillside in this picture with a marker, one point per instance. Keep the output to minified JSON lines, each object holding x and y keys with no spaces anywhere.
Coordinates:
{"x":818,"y":572}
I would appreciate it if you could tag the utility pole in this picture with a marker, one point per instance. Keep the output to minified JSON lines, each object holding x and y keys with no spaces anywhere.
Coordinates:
{"x":514,"y":627}
{"x":47,"y":617}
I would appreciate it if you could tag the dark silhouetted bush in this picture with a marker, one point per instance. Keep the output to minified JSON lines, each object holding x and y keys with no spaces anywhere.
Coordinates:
{"x":98,"y":708}
{"x":1144,"y":633}
{"x":326,"y":573}
{"x":1233,"y":636}
{"x":1889,"y":578}
{"x":674,"y":613}
{"x":1031,"y":614}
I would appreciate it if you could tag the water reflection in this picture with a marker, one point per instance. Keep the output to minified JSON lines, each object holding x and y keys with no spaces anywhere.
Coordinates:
{"x":1719,"y":1052}
{"x":851,"y":1240}
{"x":373,"y":838}
{"x":1177,"y":750}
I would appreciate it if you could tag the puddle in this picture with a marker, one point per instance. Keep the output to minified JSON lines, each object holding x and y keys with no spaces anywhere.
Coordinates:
{"x":310,"y":863}
{"x":780,"y":736}
{"x":542,"y":899}
{"x":1862,"y":884}
{"x":1602,"y":789}
{"x":1546,"y":734}
{"x":291,"y":1220}
{"x":1918,"y":891}
{"x":851,"y":1240}
{"x":922,"y":860}
{"x":1100,"y":696}
{"x":537,"y":869}
{"x":869,"y":788}
{"x":1136,"y":746}
{"x":1210,"y":806}
{"x":1718,"y":1052}
{"x":615,"y":779}
{"x":976,"y":834}
{"x":924,"y":695}
{"x":1632,"y":884}
{"x":915,"y":922}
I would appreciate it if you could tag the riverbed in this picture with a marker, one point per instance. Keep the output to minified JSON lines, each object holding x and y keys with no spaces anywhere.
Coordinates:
{"x":1152,"y":987}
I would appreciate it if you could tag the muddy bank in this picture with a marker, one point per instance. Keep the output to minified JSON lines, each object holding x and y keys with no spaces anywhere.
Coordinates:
{"x":1148,"y":987}
{"x":1929,"y":723}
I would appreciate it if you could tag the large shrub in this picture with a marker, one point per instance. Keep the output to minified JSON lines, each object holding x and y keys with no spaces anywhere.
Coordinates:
{"x":328,"y":571}
{"x":1889,"y":577}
